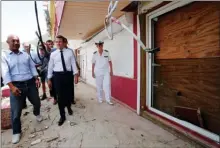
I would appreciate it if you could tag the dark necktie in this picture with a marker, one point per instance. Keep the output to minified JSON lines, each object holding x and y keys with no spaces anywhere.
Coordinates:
{"x":63,"y":62}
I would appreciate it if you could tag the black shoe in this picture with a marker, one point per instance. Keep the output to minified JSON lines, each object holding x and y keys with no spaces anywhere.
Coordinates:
{"x":61,"y":121}
{"x":70,"y":111}
{"x":44,"y":97}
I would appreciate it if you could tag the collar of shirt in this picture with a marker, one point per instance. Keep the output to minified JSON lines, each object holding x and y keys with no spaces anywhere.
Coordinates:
{"x":64,"y":49}
{"x":53,"y":49}
{"x":19,"y":52}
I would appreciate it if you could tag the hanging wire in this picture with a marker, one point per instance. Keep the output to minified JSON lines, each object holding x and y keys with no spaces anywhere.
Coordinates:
{"x":40,"y":43}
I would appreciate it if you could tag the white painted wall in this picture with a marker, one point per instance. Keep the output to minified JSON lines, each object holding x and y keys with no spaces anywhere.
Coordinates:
{"x":74,"y":44}
{"x":121,"y":51}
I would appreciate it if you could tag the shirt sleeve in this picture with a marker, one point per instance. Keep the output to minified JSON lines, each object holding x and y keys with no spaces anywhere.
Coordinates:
{"x":109,"y":57}
{"x":6,"y":76}
{"x":32,"y":67}
{"x":73,"y":64}
{"x":93,"y":59}
{"x":50,"y":68}
{"x":36,"y":58}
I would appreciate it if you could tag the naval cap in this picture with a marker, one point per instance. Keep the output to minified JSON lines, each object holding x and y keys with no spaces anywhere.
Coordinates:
{"x":99,"y":42}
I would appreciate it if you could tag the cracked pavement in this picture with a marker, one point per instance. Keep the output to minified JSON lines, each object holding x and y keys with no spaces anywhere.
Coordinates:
{"x":92,"y":125}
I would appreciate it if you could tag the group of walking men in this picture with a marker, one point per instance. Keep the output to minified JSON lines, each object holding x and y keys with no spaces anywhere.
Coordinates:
{"x":20,"y":71}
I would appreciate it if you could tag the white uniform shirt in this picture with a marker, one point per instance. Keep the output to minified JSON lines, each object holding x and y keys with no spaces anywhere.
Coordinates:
{"x":101,"y":62}
{"x":55,"y":63}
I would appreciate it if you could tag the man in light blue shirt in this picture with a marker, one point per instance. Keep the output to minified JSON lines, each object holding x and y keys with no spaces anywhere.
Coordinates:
{"x":49,"y":46}
{"x":43,"y":69}
{"x":34,"y":57}
{"x":20,"y":74}
{"x":33,"y":54}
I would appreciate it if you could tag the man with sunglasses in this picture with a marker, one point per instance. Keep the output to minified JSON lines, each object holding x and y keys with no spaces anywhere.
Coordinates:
{"x":101,"y":61}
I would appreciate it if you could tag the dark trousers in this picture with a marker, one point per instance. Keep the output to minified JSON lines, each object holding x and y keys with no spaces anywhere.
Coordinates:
{"x":53,"y":90}
{"x":73,"y":95}
{"x":63,"y":82}
{"x":28,"y":89}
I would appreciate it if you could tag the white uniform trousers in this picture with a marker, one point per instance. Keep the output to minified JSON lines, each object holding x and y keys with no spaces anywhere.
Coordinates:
{"x":103,"y":83}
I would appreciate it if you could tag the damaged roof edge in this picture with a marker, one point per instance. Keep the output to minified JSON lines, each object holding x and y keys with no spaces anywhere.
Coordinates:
{"x":131,"y":7}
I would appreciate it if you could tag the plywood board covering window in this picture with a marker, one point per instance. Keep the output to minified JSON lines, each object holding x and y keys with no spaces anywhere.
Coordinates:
{"x":188,"y":78}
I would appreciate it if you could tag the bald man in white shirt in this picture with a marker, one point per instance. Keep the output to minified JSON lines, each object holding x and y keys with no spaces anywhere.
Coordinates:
{"x":62,"y":66}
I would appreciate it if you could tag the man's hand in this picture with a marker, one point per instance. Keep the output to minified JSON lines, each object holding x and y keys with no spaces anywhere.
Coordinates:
{"x":111,"y":73}
{"x":49,"y":84}
{"x":93,"y":74}
{"x":76,"y":79}
{"x":15,"y":91}
{"x":37,"y":83}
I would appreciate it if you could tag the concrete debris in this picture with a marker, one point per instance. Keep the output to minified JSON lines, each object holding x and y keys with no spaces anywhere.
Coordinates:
{"x":72,"y":123}
{"x":132,"y":128}
{"x":24,"y":129}
{"x":36,"y":142}
{"x":48,"y":116}
{"x":32,"y":136}
{"x":26,"y":113}
{"x":52,"y":138}
{"x":90,"y":120}
{"x":90,"y":126}
{"x":48,"y":109}
{"x":81,"y":140}
{"x":39,"y":130}
{"x":80,"y":106}
{"x":62,"y":140}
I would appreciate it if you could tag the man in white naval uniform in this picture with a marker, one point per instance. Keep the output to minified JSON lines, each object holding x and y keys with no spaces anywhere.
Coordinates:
{"x":101,"y":63}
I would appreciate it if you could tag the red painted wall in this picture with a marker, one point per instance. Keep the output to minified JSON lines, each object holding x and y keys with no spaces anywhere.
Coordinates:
{"x":125,"y":89}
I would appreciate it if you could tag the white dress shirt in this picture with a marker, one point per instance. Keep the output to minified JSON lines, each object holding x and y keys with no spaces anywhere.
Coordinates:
{"x":55,"y":63}
{"x":101,"y":62}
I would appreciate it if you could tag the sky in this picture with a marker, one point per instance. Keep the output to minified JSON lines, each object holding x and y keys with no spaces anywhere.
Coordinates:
{"x":18,"y":17}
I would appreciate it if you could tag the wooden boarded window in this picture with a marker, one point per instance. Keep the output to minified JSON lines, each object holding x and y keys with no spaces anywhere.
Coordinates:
{"x":189,"y":75}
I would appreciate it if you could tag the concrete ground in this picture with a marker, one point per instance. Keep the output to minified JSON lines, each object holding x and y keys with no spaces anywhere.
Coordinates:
{"x":92,"y":125}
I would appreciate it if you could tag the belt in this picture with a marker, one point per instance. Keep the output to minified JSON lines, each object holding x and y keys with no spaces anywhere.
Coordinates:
{"x":62,"y":72}
{"x":23,"y":82}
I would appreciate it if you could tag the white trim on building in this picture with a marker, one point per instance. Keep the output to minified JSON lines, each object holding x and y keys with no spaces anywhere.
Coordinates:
{"x":138,"y":70}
